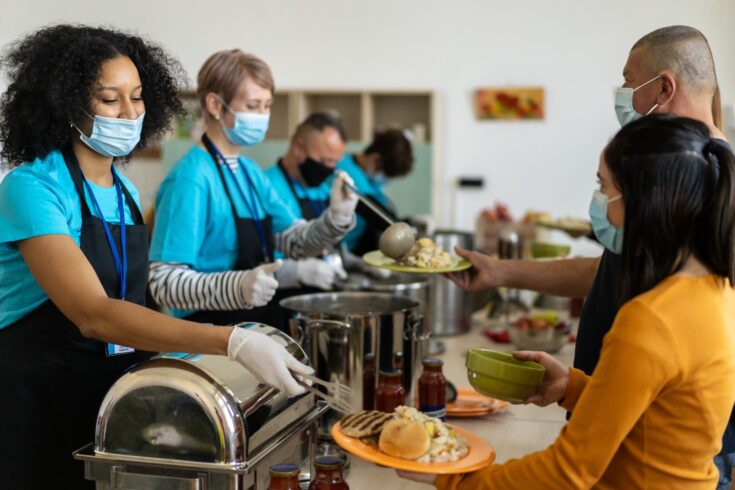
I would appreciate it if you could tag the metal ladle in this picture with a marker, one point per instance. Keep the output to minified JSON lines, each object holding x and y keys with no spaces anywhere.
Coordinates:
{"x":398,"y":239}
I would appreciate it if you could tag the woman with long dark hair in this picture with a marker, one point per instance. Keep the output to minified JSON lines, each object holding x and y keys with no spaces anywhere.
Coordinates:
{"x":654,"y":410}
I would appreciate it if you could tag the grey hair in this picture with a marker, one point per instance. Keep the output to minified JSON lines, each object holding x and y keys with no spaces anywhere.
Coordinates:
{"x":683,"y":50}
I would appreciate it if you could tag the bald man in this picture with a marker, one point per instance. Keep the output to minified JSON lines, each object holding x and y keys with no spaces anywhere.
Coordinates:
{"x":668,"y":71}
{"x":302,"y":180}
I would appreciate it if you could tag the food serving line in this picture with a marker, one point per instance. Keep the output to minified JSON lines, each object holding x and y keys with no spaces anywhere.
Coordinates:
{"x":514,"y":432}
{"x":182,"y":421}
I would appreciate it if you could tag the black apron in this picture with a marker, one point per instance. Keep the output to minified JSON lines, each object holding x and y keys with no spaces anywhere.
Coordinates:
{"x":250,"y":254}
{"x":309,"y":210}
{"x":52,"y":378}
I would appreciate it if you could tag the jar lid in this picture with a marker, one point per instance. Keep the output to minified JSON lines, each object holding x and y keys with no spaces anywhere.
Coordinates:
{"x":432,"y":362}
{"x":328,"y":462}
{"x":284,"y":469}
{"x":391,"y":373}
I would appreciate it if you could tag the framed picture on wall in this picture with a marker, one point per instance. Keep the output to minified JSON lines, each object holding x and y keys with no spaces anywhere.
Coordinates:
{"x":509,"y":103}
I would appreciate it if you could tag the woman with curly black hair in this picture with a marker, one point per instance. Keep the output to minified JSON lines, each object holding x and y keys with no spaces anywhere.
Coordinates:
{"x":73,"y":246}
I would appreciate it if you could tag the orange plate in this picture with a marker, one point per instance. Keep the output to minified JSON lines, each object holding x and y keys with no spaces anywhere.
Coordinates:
{"x":469,"y":404}
{"x":481,"y":454}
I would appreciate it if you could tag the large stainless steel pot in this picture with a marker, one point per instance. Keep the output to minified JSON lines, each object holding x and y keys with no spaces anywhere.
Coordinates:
{"x":451,"y":306}
{"x":414,"y":286}
{"x":339,"y":329}
{"x":182,"y":421}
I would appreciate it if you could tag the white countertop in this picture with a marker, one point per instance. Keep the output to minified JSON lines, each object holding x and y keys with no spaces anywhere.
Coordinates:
{"x":515,"y":432}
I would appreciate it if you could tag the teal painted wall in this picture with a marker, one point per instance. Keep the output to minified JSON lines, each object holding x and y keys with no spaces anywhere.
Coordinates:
{"x":411,"y":194}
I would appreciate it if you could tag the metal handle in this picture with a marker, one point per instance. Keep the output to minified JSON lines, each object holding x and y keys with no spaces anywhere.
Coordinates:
{"x":367,"y":202}
{"x":137,"y":481}
{"x":309,"y":323}
{"x":314,"y":323}
{"x":298,"y":335}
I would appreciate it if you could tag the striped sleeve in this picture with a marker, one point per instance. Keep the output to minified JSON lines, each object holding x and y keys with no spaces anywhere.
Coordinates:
{"x":311,"y":238}
{"x":177,"y":286}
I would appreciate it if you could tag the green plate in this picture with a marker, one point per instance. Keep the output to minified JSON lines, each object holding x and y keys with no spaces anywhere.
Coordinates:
{"x":541,"y":250}
{"x":377,"y":259}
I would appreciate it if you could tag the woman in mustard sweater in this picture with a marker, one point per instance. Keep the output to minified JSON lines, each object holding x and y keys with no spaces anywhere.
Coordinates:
{"x":653,"y":413}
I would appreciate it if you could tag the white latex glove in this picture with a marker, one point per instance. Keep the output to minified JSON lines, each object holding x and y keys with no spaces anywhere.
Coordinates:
{"x":319,"y":273}
{"x":377,"y":272}
{"x":258,"y":285}
{"x":268,"y":360}
{"x":342,"y":203}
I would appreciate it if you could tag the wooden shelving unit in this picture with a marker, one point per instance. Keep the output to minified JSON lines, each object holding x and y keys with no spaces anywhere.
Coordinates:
{"x":362,"y":111}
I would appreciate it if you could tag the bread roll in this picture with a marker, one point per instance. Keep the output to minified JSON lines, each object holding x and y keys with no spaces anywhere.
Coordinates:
{"x":404,"y":439}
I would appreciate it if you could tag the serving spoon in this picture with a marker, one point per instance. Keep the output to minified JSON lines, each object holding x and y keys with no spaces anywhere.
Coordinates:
{"x":398,"y":239}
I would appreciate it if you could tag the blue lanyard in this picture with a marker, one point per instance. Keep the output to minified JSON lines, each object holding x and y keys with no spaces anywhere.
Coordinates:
{"x":317,"y":206}
{"x":252,"y":208}
{"x":121,"y":267}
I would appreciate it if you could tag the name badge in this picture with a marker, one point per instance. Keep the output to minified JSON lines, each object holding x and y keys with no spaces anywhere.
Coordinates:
{"x":116,"y":350}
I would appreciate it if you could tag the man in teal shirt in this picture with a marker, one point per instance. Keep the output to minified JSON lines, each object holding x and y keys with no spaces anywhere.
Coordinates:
{"x":302,"y":179}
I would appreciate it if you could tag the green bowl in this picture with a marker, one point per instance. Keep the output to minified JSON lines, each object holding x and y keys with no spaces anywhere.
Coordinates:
{"x":540,"y":250}
{"x":500,"y":375}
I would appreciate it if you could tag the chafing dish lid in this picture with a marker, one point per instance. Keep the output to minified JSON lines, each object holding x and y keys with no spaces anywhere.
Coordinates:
{"x":202,"y":408}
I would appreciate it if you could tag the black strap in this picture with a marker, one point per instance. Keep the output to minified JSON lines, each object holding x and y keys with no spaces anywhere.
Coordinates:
{"x":288,"y":179}
{"x":72,"y":164}
{"x":213,"y":153}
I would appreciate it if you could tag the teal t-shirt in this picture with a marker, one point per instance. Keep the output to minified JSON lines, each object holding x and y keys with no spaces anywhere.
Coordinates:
{"x":193,"y":221}
{"x":280,"y":184}
{"x":39,"y":198}
{"x":366,"y":185}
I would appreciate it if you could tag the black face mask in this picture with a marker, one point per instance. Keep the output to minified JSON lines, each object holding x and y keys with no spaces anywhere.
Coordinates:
{"x":314,"y":173}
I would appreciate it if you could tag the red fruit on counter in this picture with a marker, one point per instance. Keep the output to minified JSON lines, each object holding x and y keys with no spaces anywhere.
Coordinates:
{"x":538,"y":323}
{"x":498,"y":336}
{"x":522,"y":323}
{"x":503,"y":212}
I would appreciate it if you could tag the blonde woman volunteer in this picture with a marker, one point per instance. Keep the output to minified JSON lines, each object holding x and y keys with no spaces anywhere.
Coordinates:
{"x":219,"y":219}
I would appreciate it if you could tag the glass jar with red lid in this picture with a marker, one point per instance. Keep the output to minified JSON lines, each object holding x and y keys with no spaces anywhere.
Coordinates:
{"x":390,"y":392}
{"x":433,"y":389}
{"x":328,"y":474}
{"x":284,"y":477}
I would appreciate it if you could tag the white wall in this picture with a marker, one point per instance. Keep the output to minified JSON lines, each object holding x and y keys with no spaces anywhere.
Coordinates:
{"x":574,"y":48}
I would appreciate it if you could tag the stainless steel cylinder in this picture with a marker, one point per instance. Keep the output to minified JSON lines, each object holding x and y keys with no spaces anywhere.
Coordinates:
{"x":451,"y":306}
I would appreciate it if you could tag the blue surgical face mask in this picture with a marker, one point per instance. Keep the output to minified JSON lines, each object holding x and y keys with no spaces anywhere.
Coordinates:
{"x":379,"y":179}
{"x":611,"y":237}
{"x":249,"y":128}
{"x":624,"y":103}
{"x":112,"y":136}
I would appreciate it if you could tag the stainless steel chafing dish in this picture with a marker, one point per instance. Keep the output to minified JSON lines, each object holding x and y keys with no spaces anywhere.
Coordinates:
{"x":181,"y":421}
